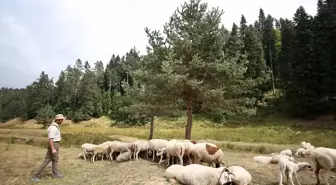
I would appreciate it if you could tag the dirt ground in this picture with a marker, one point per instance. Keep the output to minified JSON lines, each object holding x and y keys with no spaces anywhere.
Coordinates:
{"x":18,"y":163}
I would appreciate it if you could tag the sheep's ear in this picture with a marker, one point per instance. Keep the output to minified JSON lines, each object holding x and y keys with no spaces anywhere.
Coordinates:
{"x":225,"y":169}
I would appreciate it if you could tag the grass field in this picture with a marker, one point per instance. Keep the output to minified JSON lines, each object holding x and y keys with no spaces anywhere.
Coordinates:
{"x":17,"y":170}
{"x":21,"y":148}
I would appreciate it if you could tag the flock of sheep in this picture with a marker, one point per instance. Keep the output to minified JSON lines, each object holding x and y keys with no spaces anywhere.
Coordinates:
{"x":193,"y":153}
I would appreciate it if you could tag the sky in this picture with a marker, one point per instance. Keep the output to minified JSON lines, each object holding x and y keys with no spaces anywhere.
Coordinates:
{"x":48,"y":35}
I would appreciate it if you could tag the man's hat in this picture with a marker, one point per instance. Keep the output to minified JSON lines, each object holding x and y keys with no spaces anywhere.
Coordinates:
{"x":59,"y":116}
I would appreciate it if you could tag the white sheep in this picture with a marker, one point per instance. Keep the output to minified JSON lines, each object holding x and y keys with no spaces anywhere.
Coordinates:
{"x":207,"y":152}
{"x":275,"y":159}
{"x":195,"y":174}
{"x":88,"y":149}
{"x":140,"y":146}
{"x":155,"y":145}
{"x":240,"y":175}
{"x":308,"y":145}
{"x":173,"y":149}
{"x":188,"y":145}
{"x":303,"y":144}
{"x":290,"y":168}
{"x":299,"y":152}
{"x":323,"y":159}
{"x":124,"y":156}
{"x":161,"y":152}
{"x":105,"y":146}
{"x":287,"y":152}
{"x":262,"y":159}
{"x":119,"y":146}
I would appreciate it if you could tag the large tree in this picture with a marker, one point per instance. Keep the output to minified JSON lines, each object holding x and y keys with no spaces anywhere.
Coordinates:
{"x":195,"y":68}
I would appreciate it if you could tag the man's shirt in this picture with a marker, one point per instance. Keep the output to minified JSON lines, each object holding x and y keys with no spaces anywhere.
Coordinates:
{"x":54,"y":132}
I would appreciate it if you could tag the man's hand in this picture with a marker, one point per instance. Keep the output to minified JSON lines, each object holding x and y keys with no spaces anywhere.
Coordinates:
{"x":54,"y":151}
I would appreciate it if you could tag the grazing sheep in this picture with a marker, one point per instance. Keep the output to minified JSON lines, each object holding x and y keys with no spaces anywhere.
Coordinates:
{"x":299,"y":152}
{"x":101,"y":150}
{"x":88,"y":149}
{"x":81,"y":155}
{"x":124,"y":156}
{"x":303,"y":144}
{"x":287,"y":152}
{"x":105,"y":146}
{"x":188,"y":145}
{"x":262,"y":159}
{"x":195,"y":174}
{"x":140,"y":146}
{"x":156,"y":144}
{"x":275,"y":159}
{"x":119,"y":146}
{"x":324,"y":159}
{"x":289,"y":168}
{"x":175,"y":149}
{"x":240,"y":176}
{"x":308,"y":145}
{"x":207,"y":152}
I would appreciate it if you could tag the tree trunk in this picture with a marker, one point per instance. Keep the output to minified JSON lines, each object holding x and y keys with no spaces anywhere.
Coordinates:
{"x":189,"y":120}
{"x":151,"y":130}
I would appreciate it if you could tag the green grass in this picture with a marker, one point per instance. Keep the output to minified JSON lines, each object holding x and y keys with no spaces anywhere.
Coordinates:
{"x":257,"y":136}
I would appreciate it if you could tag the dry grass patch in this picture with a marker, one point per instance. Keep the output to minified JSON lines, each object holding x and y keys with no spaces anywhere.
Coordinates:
{"x":17,"y":170}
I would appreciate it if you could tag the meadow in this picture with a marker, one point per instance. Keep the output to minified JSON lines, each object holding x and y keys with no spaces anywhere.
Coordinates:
{"x":240,"y":143}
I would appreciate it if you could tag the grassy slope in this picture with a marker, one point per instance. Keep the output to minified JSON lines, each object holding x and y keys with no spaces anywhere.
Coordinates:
{"x":259,"y":136}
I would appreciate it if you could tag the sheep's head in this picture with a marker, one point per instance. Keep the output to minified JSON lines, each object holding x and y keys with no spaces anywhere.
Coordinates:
{"x":291,"y":159}
{"x":226,"y":177}
{"x":304,"y":166}
{"x":161,"y":151}
{"x":220,"y":158}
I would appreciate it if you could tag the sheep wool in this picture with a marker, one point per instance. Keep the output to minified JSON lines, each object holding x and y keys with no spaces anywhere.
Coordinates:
{"x":124,"y":156}
{"x":287,"y":152}
{"x":275,"y":159}
{"x":207,"y":152}
{"x":323,"y":158}
{"x":289,"y":168}
{"x":156,"y":144}
{"x":195,"y":174}
{"x":240,"y":175}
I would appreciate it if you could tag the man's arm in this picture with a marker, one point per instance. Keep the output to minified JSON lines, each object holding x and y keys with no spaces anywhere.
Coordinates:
{"x":51,"y":143}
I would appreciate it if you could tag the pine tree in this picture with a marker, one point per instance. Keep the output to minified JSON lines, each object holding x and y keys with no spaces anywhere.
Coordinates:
{"x":234,"y":45}
{"x":196,"y":68}
{"x":39,"y":94}
{"x":87,"y":96}
{"x":286,"y":53}
{"x":301,"y":93}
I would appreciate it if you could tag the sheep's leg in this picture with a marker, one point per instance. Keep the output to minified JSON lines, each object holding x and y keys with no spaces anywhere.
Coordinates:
{"x":93,"y":158}
{"x":161,"y":157}
{"x":280,"y":178}
{"x":326,"y":175}
{"x":317,"y":173}
{"x":181,"y":160}
{"x":137,"y":155}
{"x":295,"y":176}
{"x":153,"y":153}
{"x":290,"y":175}
{"x":102,"y":156}
{"x":168,"y":158}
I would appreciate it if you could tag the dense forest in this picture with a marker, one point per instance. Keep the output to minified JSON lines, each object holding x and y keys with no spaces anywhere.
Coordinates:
{"x":197,"y":66}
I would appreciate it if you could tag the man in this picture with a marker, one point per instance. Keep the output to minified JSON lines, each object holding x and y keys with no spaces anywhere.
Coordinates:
{"x":54,"y":137}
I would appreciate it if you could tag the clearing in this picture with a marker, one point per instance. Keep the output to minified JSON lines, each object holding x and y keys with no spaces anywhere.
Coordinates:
{"x":18,"y":163}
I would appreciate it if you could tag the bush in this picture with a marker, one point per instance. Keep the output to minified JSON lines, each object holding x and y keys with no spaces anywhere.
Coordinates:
{"x":45,"y":115}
